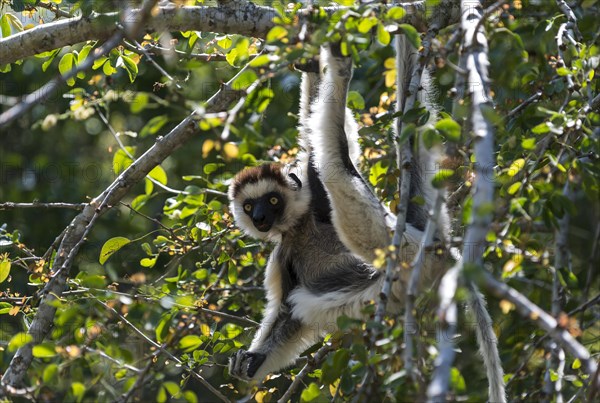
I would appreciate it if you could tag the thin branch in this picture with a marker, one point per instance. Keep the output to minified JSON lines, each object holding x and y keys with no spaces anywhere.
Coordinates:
{"x":35,"y":204}
{"x":166,"y":352}
{"x":415,"y":276}
{"x":54,"y":9}
{"x":313,"y":362}
{"x":534,"y":98}
{"x":542,"y":319}
{"x":566,"y":10}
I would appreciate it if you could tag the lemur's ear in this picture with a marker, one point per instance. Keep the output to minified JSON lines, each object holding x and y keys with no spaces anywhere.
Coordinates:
{"x":295,"y":178}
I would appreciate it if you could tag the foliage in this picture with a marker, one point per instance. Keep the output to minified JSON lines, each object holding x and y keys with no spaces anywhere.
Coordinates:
{"x":165,"y":288}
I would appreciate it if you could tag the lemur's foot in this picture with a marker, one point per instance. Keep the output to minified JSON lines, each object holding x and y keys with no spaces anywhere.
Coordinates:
{"x":244,"y":364}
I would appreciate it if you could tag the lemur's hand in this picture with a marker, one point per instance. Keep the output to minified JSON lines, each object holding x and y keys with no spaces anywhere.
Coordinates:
{"x":310,"y":66}
{"x":244,"y":364}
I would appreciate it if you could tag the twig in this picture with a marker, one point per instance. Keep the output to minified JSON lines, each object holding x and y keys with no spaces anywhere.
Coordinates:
{"x":164,"y":351}
{"x":35,"y":204}
{"x":112,"y":359}
{"x":542,"y":319}
{"x":313,"y":362}
{"x":417,"y":265}
{"x":524,"y":105}
{"x":54,"y":9}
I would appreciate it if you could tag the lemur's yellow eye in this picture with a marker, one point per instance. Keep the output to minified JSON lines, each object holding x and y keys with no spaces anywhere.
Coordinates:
{"x":247,"y":207}
{"x":274,"y":200}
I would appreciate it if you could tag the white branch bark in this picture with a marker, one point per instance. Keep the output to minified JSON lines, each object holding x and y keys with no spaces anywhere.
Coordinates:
{"x":474,"y":47}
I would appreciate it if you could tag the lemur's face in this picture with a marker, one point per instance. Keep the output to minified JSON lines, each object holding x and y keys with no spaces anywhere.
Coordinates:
{"x":265,"y":210}
{"x":265,"y":202}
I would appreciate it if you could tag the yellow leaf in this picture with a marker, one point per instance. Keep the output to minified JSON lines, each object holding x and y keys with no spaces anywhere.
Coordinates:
{"x":515,"y":167}
{"x":231,"y":150}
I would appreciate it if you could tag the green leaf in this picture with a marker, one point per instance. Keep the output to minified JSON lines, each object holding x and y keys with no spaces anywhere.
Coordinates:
{"x":78,"y":390}
{"x":366,"y":24}
{"x":44,"y":350}
{"x":19,"y":340}
{"x":5,"y":308}
{"x":148,"y":262}
{"x":311,"y":393}
{"x":121,"y":159}
{"x":541,"y":128}
{"x":563,"y":71}
{"x":396,"y":13}
{"x":66,"y":64}
{"x":441,"y":177}
{"x":50,"y":59}
{"x":232,"y":273}
{"x":50,"y":373}
{"x":158,"y":173}
{"x":355,"y":100}
{"x":4,"y":269}
{"x":129,"y":65}
{"x":190,"y":343}
{"x":111,"y":246}
{"x":514,"y":188}
{"x":139,"y":103}
{"x":457,"y":381}
{"x":260,"y":61}
{"x":411,"y":34}
{"x":383,"y":36}
{"x":162,"y":329}
{"x":408,"y":131}
{"x":5,"y":26}
{"x":528,"y":144}
{"x":154,"y":125}
{"x":449,"y":129}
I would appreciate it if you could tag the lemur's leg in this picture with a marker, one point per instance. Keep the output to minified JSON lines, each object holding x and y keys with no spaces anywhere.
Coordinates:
{"x":280,"y":337}
{"x":358,"y":216}
{"x":276,"y":345}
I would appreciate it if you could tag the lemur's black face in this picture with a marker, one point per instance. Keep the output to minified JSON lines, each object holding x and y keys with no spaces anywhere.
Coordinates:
{"x":265,"y":210}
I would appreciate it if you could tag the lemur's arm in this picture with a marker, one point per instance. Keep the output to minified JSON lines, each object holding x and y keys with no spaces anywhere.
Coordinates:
{"x":357,"y":214}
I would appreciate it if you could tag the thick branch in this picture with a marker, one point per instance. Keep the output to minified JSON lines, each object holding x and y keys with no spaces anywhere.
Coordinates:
{"x":244,"y":18}
{"x":474,"y":46}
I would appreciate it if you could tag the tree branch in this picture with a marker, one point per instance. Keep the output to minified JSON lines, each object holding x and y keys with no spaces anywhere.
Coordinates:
{"x":474,"y":46}
{"x":244,"y":18}
{"x":313,"y":362}
{"x":36,"y":204}
{"x":542,"y":319}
